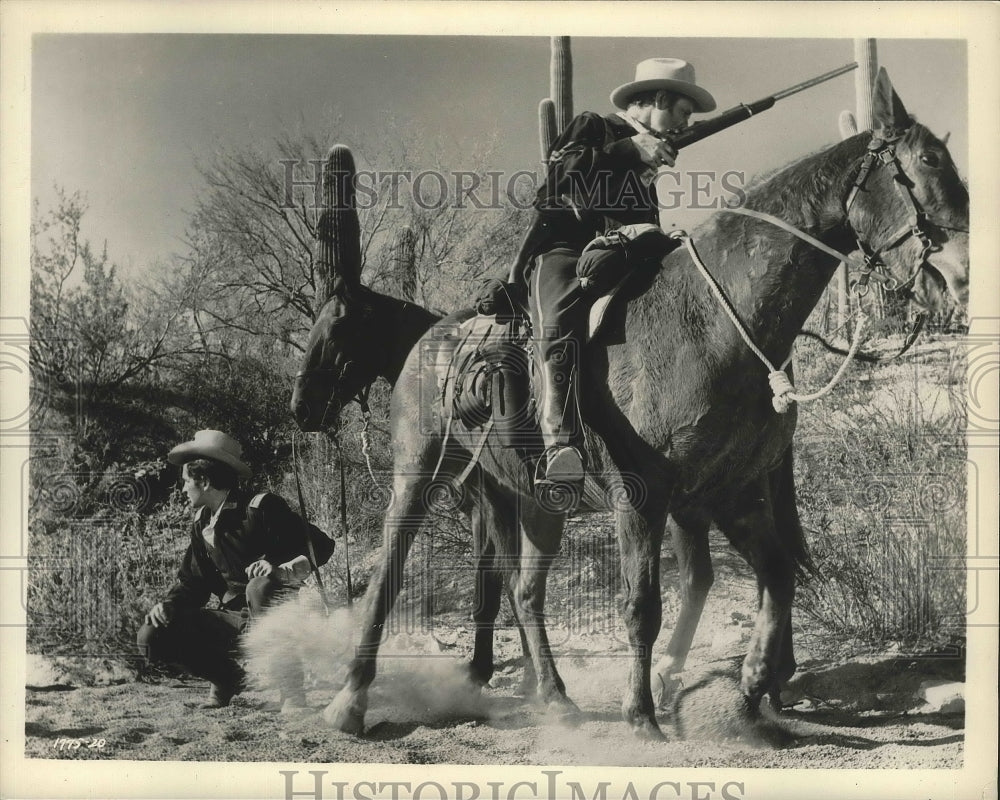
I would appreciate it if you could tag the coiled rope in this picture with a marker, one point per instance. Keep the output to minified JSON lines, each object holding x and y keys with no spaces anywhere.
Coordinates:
{"x":783,"y":391}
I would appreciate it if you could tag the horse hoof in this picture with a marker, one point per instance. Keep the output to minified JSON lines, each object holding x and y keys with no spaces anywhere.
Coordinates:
{"x":347,"y":712}
{"x":475,"y":677}
{"x":564,"y":711}
{"x":665,"y":690}
{"x":647,"y":731}
{"x":749,"y":708}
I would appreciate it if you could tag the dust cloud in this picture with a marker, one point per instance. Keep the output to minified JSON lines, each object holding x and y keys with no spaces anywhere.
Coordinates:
{"x":415,"y":679}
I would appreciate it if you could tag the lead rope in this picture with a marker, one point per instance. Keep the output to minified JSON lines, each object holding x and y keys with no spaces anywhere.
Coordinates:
{"x":783,"y":392}
{"x":311,"y":551}
{"x":366,"y":446}
{"x":343,"y":522}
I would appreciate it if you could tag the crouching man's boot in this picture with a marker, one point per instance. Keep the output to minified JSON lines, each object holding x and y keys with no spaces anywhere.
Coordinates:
{"x":561,"y":465}
{"x":220,"y":694}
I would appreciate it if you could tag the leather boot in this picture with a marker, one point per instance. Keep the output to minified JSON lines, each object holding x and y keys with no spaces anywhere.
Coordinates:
{"x":220,"y":694}
{"x":562,"y":462}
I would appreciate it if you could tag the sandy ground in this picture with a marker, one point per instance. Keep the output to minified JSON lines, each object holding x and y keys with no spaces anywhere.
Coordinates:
{"x":861,"y":712}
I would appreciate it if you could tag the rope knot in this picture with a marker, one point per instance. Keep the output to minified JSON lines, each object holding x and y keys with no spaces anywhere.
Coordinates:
{"x":781,"y":388}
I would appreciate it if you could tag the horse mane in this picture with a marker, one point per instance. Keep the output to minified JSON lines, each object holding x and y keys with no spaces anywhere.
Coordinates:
{"x":745,"y":254}
{"x":796,"y":192}
{"x":799,"y":191}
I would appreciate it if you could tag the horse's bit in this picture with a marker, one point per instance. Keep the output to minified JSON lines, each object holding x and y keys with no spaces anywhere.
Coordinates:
{"x":360,"y":396}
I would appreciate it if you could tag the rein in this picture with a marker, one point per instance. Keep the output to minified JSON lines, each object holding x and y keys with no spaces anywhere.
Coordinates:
{"x":349,"y":586}
{"x":880,"y":151}
{"x":361,"y":398}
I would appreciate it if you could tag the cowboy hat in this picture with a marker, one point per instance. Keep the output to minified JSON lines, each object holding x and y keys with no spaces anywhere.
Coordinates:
{"x":215,"y":445}
{"x":673,"y":74}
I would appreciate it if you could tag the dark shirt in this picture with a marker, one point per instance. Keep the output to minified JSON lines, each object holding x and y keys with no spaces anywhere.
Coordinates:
{"x":594,"y":182}
{"x":242,"y":535}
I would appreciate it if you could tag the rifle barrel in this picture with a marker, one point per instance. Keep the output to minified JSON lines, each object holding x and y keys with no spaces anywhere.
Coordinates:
{"x":813,"y":81}
{"x":705,"y":128}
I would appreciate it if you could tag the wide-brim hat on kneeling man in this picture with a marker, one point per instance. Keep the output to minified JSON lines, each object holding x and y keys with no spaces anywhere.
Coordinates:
{"x":215,"y":445}
{"x":672,"y":74}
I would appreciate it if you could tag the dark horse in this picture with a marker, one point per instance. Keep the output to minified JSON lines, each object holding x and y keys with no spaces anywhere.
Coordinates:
{"x":680,"y":418}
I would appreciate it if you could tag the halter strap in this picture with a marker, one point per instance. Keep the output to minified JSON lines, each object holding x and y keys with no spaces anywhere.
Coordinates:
{"x":883,"y":151}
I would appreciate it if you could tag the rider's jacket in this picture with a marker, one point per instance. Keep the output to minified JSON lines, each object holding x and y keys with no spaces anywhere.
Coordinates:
{"x":595,"y":180}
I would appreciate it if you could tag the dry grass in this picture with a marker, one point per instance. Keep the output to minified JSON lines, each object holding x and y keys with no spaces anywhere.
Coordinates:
{"x":882,"y":477}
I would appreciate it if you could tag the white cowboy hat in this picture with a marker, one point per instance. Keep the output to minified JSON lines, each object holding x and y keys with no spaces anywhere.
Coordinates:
{"x":215,"y":445}
{"x":673,"y":74}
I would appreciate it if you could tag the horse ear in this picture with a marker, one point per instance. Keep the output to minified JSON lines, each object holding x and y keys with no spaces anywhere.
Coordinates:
{"x":888,"y":111}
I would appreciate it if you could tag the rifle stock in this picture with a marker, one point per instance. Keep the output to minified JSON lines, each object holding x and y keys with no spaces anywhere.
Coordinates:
{"x":708,"y":127}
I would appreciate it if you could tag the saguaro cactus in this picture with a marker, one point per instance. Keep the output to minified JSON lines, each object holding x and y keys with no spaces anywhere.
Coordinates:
{"x":847,"y":124}
{"x":404,"y":264}
{"x":339,"y":228}
{"x":556,"y":110}
{"x":866,"y":54}
{"x":546,"y":126}
{"x":561,"y":81}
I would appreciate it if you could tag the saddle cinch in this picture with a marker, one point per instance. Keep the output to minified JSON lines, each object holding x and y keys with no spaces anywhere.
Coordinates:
{"x":493,"y":367}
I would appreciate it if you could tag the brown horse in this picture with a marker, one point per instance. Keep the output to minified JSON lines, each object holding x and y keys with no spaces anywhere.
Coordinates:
{"x":359,"y":336}
{"x":680,"y":417}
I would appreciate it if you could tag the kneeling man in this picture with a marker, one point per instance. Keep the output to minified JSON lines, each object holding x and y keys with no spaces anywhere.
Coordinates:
{"x":247,"y":550}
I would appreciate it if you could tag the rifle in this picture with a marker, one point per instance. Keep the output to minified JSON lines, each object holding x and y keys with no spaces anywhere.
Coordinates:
{"x":678,"y":140}
{"x":705,"y":128}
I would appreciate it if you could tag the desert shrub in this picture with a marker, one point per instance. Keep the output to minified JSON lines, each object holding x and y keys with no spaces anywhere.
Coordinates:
{"x":92,"y":578}
{"x":881,"y":473}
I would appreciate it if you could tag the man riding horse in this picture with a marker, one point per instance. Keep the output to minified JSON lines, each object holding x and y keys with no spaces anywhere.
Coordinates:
{"x":600,"y":175}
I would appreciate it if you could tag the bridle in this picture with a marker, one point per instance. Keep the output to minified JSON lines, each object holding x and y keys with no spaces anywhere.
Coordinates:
{"x":882,"y":151}
{"x":339,"y":398}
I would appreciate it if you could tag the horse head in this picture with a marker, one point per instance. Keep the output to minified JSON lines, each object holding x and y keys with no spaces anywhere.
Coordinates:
{"x":342,"y":359}
{"x":908,"y":206}
{"x":359,"y":336}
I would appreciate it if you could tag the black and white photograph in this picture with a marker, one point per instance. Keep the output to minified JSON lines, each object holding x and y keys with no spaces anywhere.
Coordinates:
{"x":499,"y":400}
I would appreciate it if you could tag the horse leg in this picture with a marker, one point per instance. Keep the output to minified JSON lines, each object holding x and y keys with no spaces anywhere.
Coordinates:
{"x":694,"y":564}
{"x":750,"y":526}
{"x":347,"y":710}
{"x":639,"y":536}
{"x":541,"y":533}
{"x":529,"y":678}
{"x":789,"y":530}
{"x":491,"y":521}
{"x":487,"y":599}
{"x":767,"y":655}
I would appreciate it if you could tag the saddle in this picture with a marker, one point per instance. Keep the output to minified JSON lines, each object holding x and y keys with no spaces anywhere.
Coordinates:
{"x":492,"y":367}
{"x":492,"y":379}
